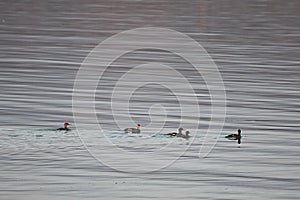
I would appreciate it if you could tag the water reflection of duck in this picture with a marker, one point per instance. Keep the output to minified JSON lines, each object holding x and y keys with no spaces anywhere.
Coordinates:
{"x":133,"y":130}
{"x":65,"y":128}
{"x":179,"y":134}
{"x":235,"y":136}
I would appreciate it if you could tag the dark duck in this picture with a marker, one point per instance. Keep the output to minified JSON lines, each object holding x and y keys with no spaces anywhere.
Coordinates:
{"x":65,"y":128}
{"x":235,"y":136}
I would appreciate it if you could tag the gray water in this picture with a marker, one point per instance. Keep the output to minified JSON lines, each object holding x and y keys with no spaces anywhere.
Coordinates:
{"x":255,"y":45}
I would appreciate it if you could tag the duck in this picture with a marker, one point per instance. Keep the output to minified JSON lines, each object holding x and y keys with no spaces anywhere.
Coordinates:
{"x":179,"y":134}
{"x":187,"y":135}
{"x":65,"y":128}
{"x":235,"y":136}
{"x":133,"y":130}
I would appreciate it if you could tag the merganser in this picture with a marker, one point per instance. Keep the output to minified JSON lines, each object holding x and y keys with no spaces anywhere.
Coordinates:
{"x":179,"y":134}
{"x":186,"y":136}
{"x":65,"y":128}
{"x":235,"y":136}
{"x":133,"y":130}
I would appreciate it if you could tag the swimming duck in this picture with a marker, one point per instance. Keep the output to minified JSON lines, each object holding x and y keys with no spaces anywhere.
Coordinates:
{"x":133,"y":130}
{"x":65,"y":128}
{"x":235,"y":136}
{"x":186,"y":136}
{"x":179,"y":134}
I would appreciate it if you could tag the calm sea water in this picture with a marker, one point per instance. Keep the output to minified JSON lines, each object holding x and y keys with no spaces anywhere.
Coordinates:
{"x":255,"y":45}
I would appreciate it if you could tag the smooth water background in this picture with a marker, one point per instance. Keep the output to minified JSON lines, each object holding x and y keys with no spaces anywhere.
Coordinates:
{"x":256,"y":47}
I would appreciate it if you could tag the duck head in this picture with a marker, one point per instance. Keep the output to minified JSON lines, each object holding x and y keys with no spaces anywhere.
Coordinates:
{"x":66,"y":125}
{"x":239,"y":132}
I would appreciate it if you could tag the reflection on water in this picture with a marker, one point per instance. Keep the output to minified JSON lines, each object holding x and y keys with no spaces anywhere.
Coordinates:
{"x":256,"y":47}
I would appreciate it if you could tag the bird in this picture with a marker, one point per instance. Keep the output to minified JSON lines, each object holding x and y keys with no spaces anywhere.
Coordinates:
{"x":179,"y":134}
{"x":133,"y":130}
{"x":65,"y":128}
{"x":235,"y":136}
{"x":186,"y":136}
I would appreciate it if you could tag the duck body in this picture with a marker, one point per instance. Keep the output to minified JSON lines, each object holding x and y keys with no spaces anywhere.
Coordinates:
{"x":232,"y":136}
{"x":63,"y":129}
{"x":133,"y":130}
{"x":186,"y":136}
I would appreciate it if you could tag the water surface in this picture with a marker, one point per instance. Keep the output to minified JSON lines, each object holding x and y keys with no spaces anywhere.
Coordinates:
{"x":256,"y":47}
